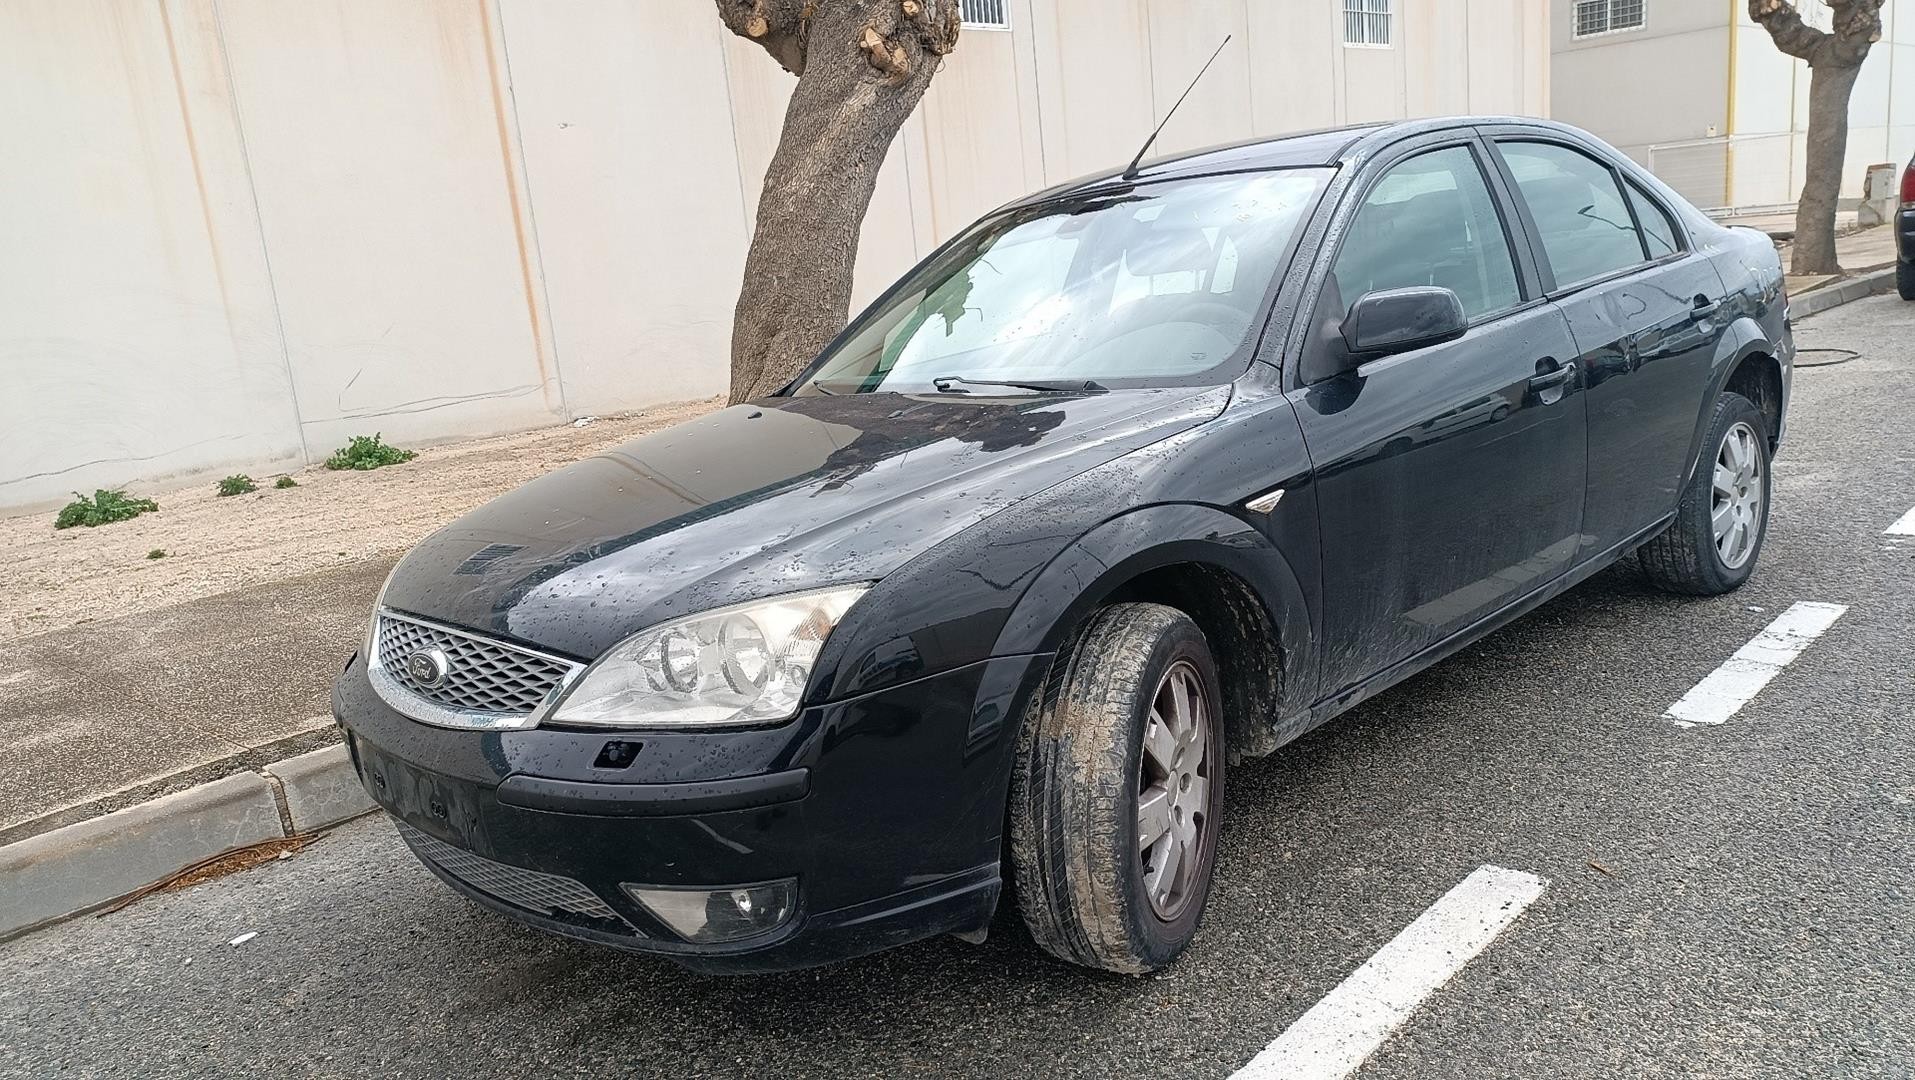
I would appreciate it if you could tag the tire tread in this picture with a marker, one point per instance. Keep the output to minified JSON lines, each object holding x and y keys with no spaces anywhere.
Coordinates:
{"x":1073,"y":745}
{"x":1681,"y":559}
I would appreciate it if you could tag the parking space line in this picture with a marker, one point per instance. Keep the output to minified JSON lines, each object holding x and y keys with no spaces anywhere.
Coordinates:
{"x":1347,"y":1026}
{"x":1731,"y":686}
{"x":1904,"y":525}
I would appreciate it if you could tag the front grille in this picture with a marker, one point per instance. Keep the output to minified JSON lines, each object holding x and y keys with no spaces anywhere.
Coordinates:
{"x":540,"y":893}
{"x":482,"y":675}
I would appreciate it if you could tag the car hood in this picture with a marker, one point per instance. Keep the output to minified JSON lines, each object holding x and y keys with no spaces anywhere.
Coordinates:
{"x":760,"y":500}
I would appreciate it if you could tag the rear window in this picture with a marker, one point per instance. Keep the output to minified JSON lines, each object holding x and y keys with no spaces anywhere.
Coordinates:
{"x":1657,"y":230}
{"x":1585,"y":228}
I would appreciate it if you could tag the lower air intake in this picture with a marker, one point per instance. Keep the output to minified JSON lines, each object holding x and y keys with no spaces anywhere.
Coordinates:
{"x":540,"y":893}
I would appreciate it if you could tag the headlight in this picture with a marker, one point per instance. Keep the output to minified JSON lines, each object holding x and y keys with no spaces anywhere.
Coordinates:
{"x":369,"y":650}
{"x":738,"y":665}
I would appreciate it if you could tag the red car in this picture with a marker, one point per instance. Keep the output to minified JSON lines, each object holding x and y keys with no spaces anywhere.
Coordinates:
{"x":1905,"y":236}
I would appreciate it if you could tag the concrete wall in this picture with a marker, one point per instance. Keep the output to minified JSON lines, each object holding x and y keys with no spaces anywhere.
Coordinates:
{"x":138,"y":334}
{"x":1726,"y":112}
{"x":238,"y":232}
{"x":1663,"y":83}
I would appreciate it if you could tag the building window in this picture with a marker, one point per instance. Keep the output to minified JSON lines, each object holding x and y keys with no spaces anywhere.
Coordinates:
{"x":1366,"y":23}
{"x":986,"y":14}
{"x":1607,"y":16}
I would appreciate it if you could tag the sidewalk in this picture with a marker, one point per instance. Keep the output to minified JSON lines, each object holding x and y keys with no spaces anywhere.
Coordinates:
{"x":144,"y":705}
{"x":124,"y":678}
{"x":1858,"y":250}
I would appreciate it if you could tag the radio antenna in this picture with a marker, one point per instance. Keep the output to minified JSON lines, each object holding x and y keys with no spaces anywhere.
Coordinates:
{"x":1130,"y":170}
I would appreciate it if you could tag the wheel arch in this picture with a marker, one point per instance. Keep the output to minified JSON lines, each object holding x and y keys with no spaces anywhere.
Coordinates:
{"x":1215,"y":567}
{"x":1757,"y":375}
{"x":1747,"y":356}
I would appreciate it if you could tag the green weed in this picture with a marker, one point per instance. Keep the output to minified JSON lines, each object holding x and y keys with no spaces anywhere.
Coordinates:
{"x":367,"y":452}
{"x":237,"y":484}
{"x":104,"y":508}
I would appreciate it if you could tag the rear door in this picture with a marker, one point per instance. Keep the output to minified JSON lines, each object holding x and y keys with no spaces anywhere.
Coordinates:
{"x":1449,"y":479}
{"x":1645,"y":309}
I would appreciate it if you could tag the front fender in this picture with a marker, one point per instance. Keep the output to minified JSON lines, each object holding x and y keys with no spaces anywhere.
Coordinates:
{"x":955,"y":604}
{"x":1086,"y":575}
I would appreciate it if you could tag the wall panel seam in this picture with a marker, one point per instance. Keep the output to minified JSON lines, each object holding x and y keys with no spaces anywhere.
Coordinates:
{"x":259,"y":224}
{"x":518,"y":181}
{"x":737,"y":151}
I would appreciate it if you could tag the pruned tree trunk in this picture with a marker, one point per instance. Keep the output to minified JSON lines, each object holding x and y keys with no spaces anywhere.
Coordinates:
{"x":862,"y":67}
{"x":1814,"y":249}
{"x":1835,"y":61}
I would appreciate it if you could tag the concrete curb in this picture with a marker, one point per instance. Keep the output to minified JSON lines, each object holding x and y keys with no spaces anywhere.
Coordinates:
{"x":88,"y":864}
{"x":318,"y":732}
{"x":1856,"y":288}
{"x":319,"y":789}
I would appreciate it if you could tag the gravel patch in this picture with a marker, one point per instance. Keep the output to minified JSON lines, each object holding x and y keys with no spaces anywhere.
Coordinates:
{"x":50,"y":580}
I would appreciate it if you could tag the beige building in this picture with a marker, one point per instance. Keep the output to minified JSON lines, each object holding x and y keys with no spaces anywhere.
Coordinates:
{"x":239,"y":231}
{"x":1699,"y":93}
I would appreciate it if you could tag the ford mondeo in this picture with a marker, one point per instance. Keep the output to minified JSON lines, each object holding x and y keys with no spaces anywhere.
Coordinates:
{"x":1133,"y":480}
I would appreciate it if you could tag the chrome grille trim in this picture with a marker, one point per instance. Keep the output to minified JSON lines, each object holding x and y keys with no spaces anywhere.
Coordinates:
{"x":533,"y":890}
{"x":490,"y":685}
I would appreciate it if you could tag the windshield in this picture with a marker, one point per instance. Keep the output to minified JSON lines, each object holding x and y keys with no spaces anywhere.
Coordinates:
{"x":1148,"y":285}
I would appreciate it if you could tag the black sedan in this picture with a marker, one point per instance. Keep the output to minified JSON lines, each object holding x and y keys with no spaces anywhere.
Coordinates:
{"x":1135,"y":478}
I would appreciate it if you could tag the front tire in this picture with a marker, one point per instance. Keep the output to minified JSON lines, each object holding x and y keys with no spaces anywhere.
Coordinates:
{"x":1712,"y":546}
{"x":1116,"y":791}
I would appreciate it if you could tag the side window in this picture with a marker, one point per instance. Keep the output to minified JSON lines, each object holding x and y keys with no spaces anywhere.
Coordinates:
{"x":1429,"y":221}
{"x":1657,"y":230}
{"x":1579,"y":212}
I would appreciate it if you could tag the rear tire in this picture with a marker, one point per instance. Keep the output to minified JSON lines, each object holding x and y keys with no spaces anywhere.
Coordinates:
{"x":1712,"y":546}
{"x":1905,"y":279}
{"x":1103,"y":762}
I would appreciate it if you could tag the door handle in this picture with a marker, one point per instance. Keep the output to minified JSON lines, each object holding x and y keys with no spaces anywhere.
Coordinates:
{"x":1550,"y":380}
{"x":1704,"y":307}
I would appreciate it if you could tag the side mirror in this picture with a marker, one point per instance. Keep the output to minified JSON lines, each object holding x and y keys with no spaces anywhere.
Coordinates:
{"x":1399,"y":320}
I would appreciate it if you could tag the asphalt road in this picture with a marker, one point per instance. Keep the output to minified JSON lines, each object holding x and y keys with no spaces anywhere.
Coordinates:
{"x":1753,"y":914}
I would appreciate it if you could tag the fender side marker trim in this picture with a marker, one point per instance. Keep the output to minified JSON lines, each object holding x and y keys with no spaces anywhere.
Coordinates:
{"x":1264,"y":503}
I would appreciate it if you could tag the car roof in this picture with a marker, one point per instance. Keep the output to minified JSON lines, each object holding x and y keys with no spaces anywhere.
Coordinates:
{"x":1331,"y":146}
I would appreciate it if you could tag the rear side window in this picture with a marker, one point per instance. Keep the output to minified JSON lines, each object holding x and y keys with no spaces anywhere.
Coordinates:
{"x":1429,"y":221}
{"x":1585,"y":228}
{"x":1657,"y":229}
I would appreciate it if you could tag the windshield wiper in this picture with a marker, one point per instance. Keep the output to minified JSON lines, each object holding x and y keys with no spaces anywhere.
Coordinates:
{"x":955,"y":384}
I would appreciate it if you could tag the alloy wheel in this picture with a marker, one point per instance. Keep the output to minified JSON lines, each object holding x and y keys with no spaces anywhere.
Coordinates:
{"x":1173,"y":791}
{"x":1735,"y":510}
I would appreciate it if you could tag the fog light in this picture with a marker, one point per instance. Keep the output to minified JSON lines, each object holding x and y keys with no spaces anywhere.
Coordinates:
{"x":711,"y":915}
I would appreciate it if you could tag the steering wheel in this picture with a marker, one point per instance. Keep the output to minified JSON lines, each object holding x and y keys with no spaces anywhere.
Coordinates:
{"x":1211,"y":314}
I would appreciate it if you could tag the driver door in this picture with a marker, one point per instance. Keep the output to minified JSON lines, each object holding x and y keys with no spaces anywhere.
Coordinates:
{"x":1449,"y":479}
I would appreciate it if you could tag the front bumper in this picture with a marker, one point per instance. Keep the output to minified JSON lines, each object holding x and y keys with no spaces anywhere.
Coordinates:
{"x":888,"y":809}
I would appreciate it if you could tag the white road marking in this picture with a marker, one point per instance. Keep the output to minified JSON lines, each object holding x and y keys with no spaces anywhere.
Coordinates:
{"x":1904,"y":525}
{"x":1742,"y":677}
{"x":1348,"y":1025}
